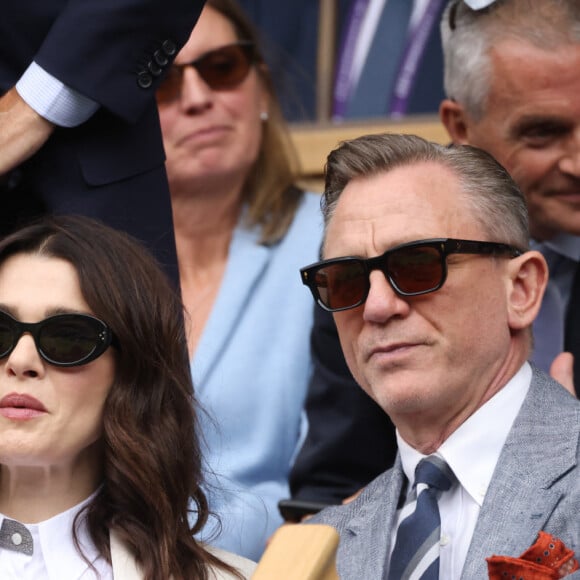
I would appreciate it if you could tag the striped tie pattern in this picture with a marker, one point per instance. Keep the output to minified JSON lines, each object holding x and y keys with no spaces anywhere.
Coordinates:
{"x":416,"y":552}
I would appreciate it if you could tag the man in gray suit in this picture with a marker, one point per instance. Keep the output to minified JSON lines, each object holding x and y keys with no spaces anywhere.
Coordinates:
{"x":434,"y":293}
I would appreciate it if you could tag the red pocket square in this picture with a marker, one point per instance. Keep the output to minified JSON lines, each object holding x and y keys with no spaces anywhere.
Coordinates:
{"x":547,"y":559}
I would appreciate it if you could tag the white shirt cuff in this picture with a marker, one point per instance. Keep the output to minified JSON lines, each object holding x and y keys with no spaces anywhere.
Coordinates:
{"x":53,"y":100}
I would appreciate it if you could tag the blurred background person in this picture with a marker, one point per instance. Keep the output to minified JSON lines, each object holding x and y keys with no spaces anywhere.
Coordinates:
{"x":79,"y":129}
{"x":388,"y":57}
{"x":512,"y":84}
{"x":99,"y":455}
{"x":242,"y":230}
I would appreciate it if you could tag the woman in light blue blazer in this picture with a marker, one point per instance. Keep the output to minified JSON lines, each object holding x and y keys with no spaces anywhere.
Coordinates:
{"x":242,"y":232}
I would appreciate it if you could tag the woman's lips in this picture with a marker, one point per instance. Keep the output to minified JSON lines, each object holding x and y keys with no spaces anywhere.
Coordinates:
{"x":208,"y":133}
{"x":20,"y":406}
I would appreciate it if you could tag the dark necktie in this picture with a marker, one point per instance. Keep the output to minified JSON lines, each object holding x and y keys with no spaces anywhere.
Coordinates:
{"x":416,"y":551}
{"x":572,"y":332}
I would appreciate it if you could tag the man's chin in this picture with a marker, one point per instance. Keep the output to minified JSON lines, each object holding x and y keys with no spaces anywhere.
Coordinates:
{"x":403,"y":391}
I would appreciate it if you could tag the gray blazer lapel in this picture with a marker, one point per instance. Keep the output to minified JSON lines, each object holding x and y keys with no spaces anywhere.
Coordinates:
{"x":365,"y":542}
{"x":246,"y":262}
{"x":540,"y":448}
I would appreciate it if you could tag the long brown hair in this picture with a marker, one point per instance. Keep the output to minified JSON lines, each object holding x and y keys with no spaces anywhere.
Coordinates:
{"x":269,"y":189}
{"x":152,"y":459}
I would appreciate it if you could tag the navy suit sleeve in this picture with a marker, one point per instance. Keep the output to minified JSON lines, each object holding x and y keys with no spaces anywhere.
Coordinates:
{"x":350,"y":439}
{"x":115,"y":51}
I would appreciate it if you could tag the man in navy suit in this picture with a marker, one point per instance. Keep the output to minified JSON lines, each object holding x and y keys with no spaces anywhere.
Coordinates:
{"x":79,"y":131}
{"x":289,"y":30}
{"x":434,"y":291}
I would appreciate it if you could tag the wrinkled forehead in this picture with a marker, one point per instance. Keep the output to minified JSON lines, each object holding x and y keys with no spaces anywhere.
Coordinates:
{"x":404,"y":204}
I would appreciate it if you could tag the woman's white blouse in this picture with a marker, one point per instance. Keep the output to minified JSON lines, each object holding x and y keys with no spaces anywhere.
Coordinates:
{"x":54,"y":555}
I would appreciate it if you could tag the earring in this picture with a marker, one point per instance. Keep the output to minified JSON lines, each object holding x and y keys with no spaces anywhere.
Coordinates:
{"x":264,"y":116}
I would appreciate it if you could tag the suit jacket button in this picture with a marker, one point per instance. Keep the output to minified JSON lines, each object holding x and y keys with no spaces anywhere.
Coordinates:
{"x":154,"y":68}
{"x":160,"y":58}
{"x":169,"y":47}
{"x":144,"y":80}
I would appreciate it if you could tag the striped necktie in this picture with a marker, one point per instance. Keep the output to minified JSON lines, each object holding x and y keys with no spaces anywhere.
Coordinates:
{"x":416,"y":552}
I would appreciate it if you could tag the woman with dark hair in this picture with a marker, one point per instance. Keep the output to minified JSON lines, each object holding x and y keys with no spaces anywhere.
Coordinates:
{"x":100,"y":464}
{"x":242,"y":230}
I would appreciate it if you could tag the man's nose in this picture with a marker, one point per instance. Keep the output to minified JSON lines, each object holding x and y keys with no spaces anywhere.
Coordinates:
{"x":383,"y":302}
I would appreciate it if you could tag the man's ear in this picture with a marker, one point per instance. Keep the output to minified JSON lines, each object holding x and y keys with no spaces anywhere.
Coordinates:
{"x":528,"y":279}
{"x":454,"y":119}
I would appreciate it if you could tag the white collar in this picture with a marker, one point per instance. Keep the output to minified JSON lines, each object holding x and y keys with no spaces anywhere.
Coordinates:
{"x":55,"y":551}
{"x":472,"y":451}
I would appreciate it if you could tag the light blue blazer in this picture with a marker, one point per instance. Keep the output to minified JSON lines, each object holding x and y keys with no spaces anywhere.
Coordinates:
{"x":250,"y":373}
{"x":535,"y":486}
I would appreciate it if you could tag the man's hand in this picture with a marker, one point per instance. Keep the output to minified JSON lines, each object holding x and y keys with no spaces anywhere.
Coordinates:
{"x":22,"y":131}
{"x":562,"y":370}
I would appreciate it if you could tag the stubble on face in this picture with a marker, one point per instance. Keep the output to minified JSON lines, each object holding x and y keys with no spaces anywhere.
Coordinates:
{"x":428,"y":358}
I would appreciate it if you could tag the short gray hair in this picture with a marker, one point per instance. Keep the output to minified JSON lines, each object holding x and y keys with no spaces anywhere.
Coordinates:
{"x":495,"y":199}
{"x":468,"y":35}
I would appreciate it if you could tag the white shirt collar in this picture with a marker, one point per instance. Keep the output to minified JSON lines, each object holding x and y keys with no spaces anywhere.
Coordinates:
{"x":483,"y":436}
{"x":55,"y":552}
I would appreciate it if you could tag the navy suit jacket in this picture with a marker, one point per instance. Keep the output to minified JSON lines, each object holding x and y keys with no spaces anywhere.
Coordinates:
{"x":112,"y":166}
{"x":535,"y":487}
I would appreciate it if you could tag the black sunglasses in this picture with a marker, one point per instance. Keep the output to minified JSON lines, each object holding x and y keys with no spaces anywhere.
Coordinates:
{"x":64,"y":340}
{"x":412,"y":269}
{"x":221,"y":69}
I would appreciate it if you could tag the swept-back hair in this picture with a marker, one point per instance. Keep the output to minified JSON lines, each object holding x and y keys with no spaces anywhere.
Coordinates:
{"x":469,"y":35}
{"x":493,"y":196}
{"x":152,"y":459}
{"x":269,"y":189}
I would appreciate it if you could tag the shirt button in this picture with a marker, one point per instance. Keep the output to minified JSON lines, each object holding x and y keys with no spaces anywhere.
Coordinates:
{"x":16,"y":539}
{"x":444,"y":540}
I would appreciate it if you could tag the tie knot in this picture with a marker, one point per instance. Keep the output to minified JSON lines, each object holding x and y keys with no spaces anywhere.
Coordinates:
{"x":434,"y":472}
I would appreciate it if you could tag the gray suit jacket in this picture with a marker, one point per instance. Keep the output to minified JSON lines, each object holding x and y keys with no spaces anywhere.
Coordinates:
{"x":535,"y":486}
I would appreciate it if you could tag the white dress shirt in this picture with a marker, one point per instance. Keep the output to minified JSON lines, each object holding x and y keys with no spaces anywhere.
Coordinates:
{"x":55,"y":556}
{"x":472,"y":452}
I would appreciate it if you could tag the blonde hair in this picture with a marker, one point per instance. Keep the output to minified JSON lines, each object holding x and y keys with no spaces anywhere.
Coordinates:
{"x":269,"y":190}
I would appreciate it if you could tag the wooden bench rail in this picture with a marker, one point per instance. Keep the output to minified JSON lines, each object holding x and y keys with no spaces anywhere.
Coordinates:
{"x":314,"y":141}
{"x":300,"y":552}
